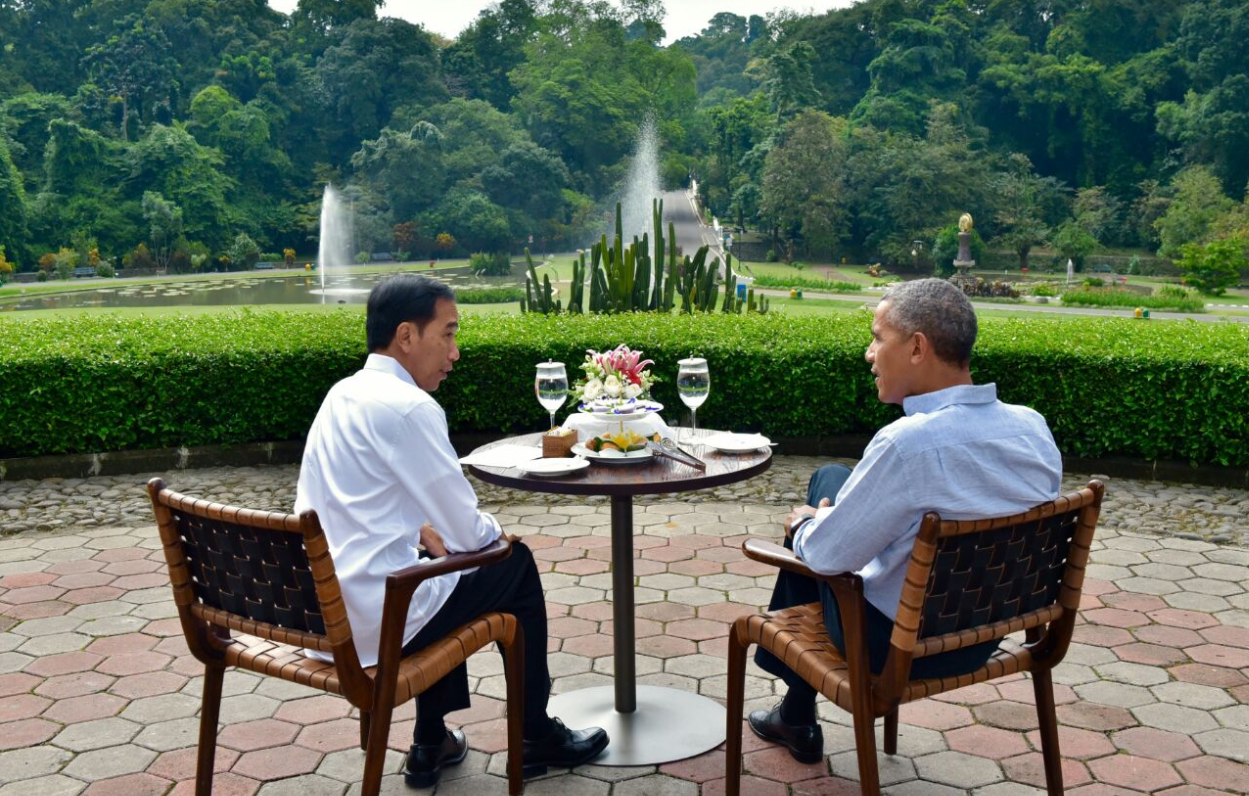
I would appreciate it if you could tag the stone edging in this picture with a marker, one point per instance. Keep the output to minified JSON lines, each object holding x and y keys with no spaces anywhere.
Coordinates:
{"x":83,"y":465}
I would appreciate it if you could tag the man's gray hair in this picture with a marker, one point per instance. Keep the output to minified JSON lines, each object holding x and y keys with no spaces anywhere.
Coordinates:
{"x":938,"y":309}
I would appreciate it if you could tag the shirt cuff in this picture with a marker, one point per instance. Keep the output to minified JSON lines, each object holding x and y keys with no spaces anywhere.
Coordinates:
{"x":798,"y":532}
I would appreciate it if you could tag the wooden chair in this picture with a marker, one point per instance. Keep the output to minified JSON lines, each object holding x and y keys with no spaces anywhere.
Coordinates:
{"x":269,"y":576}
{"x":967,"y":583}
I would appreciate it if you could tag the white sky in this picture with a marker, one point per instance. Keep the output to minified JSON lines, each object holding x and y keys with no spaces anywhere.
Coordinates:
{"x":684,"y":17}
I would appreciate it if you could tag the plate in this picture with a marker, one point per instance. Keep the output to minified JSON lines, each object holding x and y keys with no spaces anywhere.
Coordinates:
{"x":736,"y":443}
{"x":552,"y":467}
{"x":613,"y":457}
{"x":635,"y":409}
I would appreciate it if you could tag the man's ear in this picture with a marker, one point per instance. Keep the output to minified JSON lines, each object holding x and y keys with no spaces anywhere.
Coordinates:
{"x":405,"y":335}
{"x":920,"y":347}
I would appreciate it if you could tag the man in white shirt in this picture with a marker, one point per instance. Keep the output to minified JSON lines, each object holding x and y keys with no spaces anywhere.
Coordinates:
{"x":957,"y":451}
{"x":379,"y":470}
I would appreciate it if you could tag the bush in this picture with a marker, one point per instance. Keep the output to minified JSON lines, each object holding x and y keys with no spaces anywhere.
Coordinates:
{"x":244,"y":253}
{"x":1173,"y":299}
{"x":806,"y":283}
{"x":42,"y":276}
{"x":105,"y":270}
{"x":496,"y":264}
{"x":104,"y":382}
{"x":771,"y":256}
{"x":489,"y":295}
{"x":270,"y":257}
{"x":141,"y":257}
{"x":1044,"y":289}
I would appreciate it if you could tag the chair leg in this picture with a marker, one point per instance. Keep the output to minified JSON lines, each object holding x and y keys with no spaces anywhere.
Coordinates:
{"x":514,"y":668}
{"x":1043,"y":688}
{"x":210,"y":711}
{"x":735,"y":708}
{"x":378,"y":733}
{"x":865,"y":746}
{"x":365,"y":718}
{"x":891,"y":732}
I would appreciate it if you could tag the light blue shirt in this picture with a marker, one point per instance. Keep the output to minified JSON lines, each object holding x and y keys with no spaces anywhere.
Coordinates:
{"x":959,"y":452}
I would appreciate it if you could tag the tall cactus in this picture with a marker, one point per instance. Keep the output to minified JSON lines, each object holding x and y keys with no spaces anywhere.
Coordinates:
{"x":539,"y":300}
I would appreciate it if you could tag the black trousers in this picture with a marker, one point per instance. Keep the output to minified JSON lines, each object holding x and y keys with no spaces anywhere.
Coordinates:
{"x":792,"y":589}
{"x":512,"y":586}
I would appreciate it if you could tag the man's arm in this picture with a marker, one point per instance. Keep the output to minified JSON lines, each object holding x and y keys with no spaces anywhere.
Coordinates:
{"x":873,"y":511}
{"x":426,"y":465}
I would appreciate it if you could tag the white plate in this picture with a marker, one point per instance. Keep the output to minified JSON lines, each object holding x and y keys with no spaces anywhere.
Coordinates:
{"x":553,"y":467}
{"x":613,"y":457}
{"x":736,"y":443}
{"x":601,"y":411}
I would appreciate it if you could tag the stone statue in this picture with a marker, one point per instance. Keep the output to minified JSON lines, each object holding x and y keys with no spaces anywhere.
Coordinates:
{"x":963,"y":263}
{"x":964,"y":223}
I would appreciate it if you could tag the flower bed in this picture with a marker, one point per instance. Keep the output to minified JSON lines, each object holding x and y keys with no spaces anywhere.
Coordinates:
{"x":1172,"y":390}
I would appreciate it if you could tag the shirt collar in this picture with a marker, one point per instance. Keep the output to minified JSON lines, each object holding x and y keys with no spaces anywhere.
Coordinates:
{"x":388,"y":364}
{"x":939,"y":399}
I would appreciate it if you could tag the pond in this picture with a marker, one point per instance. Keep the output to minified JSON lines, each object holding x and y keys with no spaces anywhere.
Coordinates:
{"x":229,"y":291}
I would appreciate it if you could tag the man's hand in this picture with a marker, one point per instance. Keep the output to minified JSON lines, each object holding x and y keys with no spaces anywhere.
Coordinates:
{"x":799,"y":513}
{"x":432,"y":541}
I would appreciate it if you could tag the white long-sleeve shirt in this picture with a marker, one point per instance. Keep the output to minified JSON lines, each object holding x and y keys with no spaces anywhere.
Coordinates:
{"x":378,"y":464}
{"x":960,"y":452}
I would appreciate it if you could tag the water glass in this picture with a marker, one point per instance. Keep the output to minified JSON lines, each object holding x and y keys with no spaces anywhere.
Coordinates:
{"x":551,"y":386}
{"x":693,"y":385}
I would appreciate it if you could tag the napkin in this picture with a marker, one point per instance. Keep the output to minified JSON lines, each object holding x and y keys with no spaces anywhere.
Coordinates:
{"x":503,"y":456}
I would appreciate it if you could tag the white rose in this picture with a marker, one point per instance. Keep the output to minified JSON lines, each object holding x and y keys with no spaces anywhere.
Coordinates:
{"x":592,"y":390}
{"x":612,"y":386}
{"x":632,"y":390}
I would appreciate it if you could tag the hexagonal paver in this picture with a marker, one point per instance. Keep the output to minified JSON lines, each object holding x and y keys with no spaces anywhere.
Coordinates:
{"x":1155,"y":744}
{"x":277,"y":763}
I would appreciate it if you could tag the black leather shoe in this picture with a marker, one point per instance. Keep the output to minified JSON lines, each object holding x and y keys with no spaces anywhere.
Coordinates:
{"x":426,"y":761}
{"x":805,"y":742}
{"x":563,"y":748}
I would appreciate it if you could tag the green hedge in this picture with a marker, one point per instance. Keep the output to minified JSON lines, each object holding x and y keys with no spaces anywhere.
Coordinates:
{"x":1112,"y":297}
{"x":806,"y":283}
{"x":1173,"y":390}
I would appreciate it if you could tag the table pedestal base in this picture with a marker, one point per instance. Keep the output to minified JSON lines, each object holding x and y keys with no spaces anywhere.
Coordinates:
{"x":668,"y":724}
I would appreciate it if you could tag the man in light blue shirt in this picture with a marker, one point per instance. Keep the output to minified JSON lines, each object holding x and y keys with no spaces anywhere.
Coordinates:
{"x":958,"y":451}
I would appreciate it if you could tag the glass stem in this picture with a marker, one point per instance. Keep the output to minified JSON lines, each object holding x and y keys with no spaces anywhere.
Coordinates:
{"x":693,"y":419}
{"x":552,"y":426}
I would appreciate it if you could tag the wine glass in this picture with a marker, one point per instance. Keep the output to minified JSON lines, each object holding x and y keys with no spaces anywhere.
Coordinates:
{"x":693,"y":384}
{"x":551,"y":386}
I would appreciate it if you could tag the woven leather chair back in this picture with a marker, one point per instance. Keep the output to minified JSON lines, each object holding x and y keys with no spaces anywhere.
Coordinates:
{"x":259,"y":573}
{"x":981,"y":577}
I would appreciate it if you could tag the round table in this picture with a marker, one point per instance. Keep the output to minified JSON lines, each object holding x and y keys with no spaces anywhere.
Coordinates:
{"x":647,"y":724}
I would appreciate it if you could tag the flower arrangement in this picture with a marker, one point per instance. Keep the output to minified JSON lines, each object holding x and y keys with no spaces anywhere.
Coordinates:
{"x":614,"y":376}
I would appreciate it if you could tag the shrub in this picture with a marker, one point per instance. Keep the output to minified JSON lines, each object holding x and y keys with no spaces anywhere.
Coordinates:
{"x":108,"y":382}
{"x":1093,"y":281}
{"x":807,"y":283}
{"x":244,"y":253}
{"x":105,"y":270}
{"x":1215,"y":267}
{"x":1110,"y":297}
{"x":771,"y":256}
{"x":363,"y":258}
{"x":288,"y":256}
{"x":489,"y":295}
{"x":141,"y":257}
{"x":496,"y":264}
{"x":270,"y":257}
{"x":1044,"y":289}
{"x":42,"y":276}
{"x":6,"y":267}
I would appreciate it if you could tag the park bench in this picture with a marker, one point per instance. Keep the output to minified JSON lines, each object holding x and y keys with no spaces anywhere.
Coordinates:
{"x":264,"y":266}
{"x":84,"y":270}
{"x":383,"y":257}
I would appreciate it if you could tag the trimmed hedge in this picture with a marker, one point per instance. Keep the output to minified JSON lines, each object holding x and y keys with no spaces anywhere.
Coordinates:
{"x":806,"y":283}
{"x":1172,"y":390}
{"x":1112,"y":297}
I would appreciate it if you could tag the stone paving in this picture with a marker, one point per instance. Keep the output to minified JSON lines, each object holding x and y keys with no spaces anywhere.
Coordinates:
{"x":98,"y":694}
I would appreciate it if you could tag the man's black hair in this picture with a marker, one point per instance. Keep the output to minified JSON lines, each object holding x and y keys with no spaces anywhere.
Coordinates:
{"x":406,"y":297}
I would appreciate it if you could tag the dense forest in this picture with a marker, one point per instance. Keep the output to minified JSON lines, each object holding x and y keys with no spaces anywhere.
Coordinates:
{"x":196,"y":134}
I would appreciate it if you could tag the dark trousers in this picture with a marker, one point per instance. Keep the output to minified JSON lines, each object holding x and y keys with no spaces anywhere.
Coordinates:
{"x":792,"y":589}
{"x":511,"y":586}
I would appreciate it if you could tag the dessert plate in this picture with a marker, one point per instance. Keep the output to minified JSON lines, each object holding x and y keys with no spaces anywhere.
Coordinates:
{"x":552,"y":467}
{"x":736,"y":443}
{"x":613,"y":457}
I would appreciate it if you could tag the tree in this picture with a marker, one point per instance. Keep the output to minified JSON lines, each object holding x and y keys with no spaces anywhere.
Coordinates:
{"x":787,"y":78}
{"x":1214,"y":267}
{"x":1098,"y":211}
{"x":1198,"y":203}
{"x":804,"y":191}
{"x":1073,"y":242}
{"x":391,"y":163}
{"x":527,"y":178}
{"x":478,"y":63}
{"x":136,"y":67}
{"x":170,"y":161}
{"x":474,"y":221}
{"x":13,"y":227}
{"x":164,"y":224}
{"x":6,"y":267}
{"x":1020,"y":199}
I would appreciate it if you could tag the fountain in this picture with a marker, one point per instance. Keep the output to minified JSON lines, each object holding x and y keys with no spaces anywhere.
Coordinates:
{"x":333,"y":252}
{"x":642,"y":184}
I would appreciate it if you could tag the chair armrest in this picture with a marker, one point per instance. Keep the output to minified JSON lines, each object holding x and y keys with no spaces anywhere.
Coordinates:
{"x":497,"y":550}
{"x":774,"y":555}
